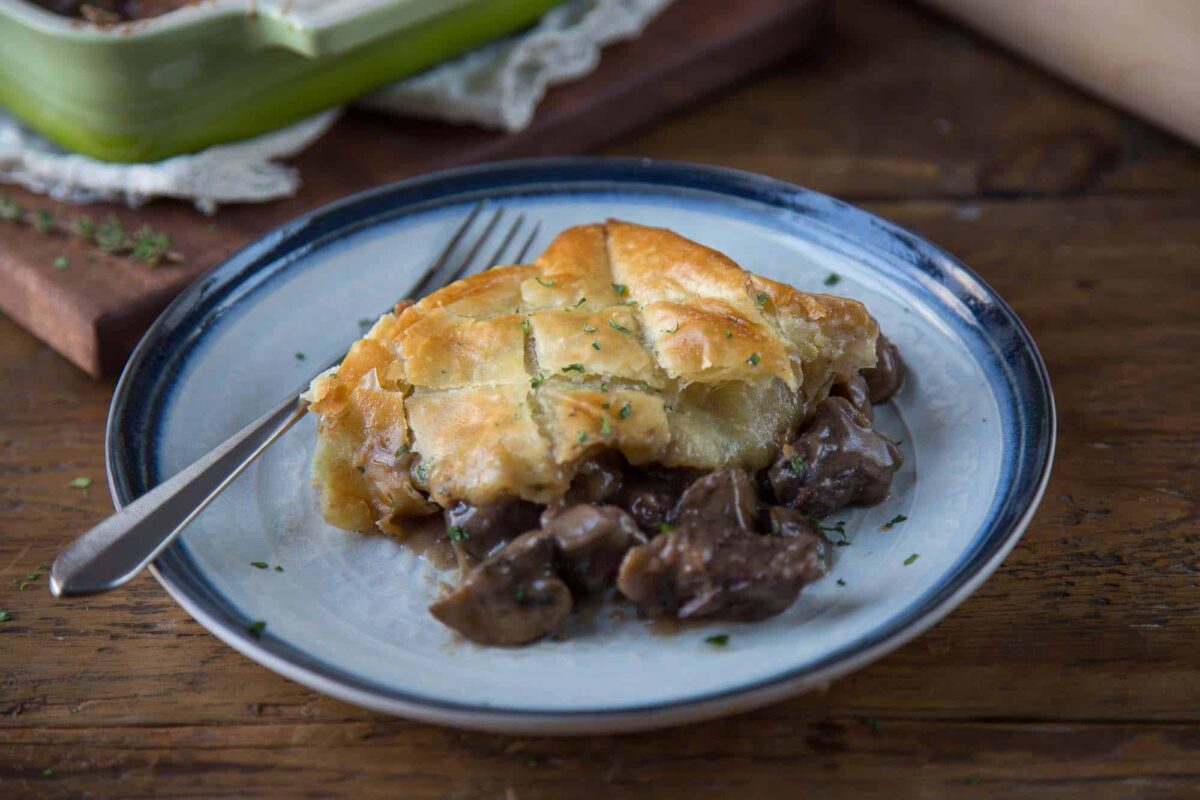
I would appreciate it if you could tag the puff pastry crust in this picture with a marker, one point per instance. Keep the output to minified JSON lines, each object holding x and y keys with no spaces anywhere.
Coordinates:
{"x":619,"y":336}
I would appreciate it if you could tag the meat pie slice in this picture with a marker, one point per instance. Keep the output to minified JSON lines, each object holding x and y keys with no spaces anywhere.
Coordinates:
{"x":621,"y":366}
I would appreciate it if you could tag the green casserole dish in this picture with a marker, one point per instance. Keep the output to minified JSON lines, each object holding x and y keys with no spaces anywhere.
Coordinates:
{"x":223,"y":70}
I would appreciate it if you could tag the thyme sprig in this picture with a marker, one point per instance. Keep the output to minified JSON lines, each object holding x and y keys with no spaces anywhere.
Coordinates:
{"x":144,"y":244}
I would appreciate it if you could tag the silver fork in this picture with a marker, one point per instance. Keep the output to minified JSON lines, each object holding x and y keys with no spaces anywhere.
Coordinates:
{"x":118,"y":548}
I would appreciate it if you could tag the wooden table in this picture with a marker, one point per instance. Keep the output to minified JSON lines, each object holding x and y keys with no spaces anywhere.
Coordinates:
{"x":1073,"y":673}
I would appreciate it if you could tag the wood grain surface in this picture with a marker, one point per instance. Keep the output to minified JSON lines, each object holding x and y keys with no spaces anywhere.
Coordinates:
{"x":95,"y":311}
{"x":1072,"y":673}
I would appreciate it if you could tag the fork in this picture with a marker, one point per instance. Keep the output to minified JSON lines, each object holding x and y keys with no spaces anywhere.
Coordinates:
{"x":111,"y":553}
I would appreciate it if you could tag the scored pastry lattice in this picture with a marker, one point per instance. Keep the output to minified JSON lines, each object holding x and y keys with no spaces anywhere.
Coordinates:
{"x":619,"y":336}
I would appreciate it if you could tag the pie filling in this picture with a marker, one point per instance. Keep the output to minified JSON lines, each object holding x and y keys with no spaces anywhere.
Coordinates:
{"x":727,"y":544}
{"x":107,"y":12}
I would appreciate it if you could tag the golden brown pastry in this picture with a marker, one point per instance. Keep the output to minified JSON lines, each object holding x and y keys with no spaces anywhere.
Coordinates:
{"x":618,"y":337}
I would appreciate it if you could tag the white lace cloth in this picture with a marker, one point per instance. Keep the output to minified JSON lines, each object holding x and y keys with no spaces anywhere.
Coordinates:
{"x":497,"y":86}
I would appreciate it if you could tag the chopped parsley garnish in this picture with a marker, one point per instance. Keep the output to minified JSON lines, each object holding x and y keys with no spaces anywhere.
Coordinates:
{"x":61,"y":262}
{"x":798,"y":466}
{"x":365,"y":323}
{"x":606,"y":405}
{"x":595,"y":345}
{"x":519,"y":595}
{"x":256,"y":628}
{"x":573,"y":368}
{"x":839,"y":529}
{"x":537,"y":380}
{"x":525,"y":326}
{"x":4,"y":615}
{"x":896,"y":520}
{"x":753,"y":360}
{"x":619,"y":288}
{"x":300,"y":356}
{"x":625,"y":411}
{"x":48,"y":772}
{"x":278,"y":568}
{"x":614,"y":324}
{"x":582,"y":300}
{"x":457,"y":534}
{"x":605,"y":430}
{"x":665,"y":527}
{"x":259,"y":564}
{"x":832,"y":278}
{"x":871,"y":723}
{"x":762,"y":299}
{"x":717,"y":640}
{"x":841,"y":582}
{"x":403,"y":450}
{"x":582,"y":437}
{"x":80,"y":483}
{"x":673,"y":330}
{"x":422,"y":472}
{"x":589,"y":327}
{"x":728,"y":335}
{"x":911,"y":559}
{"x":539,"y":279}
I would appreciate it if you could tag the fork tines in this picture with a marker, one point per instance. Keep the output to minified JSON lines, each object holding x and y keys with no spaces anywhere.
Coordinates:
{"x":450,"y":266}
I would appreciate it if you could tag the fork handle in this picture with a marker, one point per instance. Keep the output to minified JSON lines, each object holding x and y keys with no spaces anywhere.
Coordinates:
{"x":118,"y":548}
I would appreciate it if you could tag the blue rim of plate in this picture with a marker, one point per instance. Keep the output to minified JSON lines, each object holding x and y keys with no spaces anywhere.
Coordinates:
{"x":994,"y":334}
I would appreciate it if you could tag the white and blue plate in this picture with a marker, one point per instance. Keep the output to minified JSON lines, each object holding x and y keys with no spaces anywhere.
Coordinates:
{"x":347,"y":615}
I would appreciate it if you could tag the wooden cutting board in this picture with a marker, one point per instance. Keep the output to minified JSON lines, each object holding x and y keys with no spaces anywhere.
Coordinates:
{"x":94,"y":310}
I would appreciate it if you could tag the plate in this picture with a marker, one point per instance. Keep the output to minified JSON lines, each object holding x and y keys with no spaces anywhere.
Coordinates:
{"x":347,"y":613}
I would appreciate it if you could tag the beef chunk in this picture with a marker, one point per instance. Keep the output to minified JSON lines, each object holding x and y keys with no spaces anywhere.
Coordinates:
{"x":717,"y":572}
{"x":791,"y":524}
{"x":649,"y":495}
{"x":591,"y":542}
{"x":887,"y":376}
{"x":838,"y":459}
{"x":596,"y":480}
{"x":725,"y":497}
{"x":855,"y":389}
{"x":512,"y":598}
{"x":484,"y":529}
